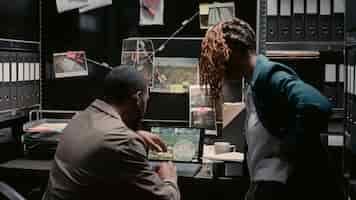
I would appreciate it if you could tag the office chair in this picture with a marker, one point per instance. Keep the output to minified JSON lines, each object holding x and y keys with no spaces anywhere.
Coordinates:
{"x":9,"y":192}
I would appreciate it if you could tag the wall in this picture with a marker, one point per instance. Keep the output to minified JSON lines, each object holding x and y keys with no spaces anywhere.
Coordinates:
{"x":100,"y":33}
{"x":20,"y":20}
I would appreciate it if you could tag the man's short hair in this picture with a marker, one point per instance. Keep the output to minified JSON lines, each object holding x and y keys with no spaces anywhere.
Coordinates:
{"x":122,"y":82}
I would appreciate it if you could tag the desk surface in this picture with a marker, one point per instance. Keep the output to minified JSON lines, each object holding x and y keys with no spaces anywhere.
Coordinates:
{"x":44,"y":166}
{"x":31,"y":172}
{"x":26,"y":164}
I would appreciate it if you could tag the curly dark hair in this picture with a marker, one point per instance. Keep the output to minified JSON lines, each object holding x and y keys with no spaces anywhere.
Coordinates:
{"x":220,"y":41}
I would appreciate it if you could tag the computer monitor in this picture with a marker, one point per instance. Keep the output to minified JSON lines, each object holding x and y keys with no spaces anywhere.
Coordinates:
{"x":168,"y":107}
{"x":70,"y":64}
{"x":184,"y":144}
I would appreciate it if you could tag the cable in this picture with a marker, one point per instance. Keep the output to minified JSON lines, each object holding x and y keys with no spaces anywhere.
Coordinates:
{"x":161,"y":47}
{"x":79,"y":57}
{"x":164,"y":44}
{"x":99,"y":64}
{"x":184,"y":24}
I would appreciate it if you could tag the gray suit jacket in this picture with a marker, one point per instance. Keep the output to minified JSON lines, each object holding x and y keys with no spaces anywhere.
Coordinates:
{"x":98,"y":157}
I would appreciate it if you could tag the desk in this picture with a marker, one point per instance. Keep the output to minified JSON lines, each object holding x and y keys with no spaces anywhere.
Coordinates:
{"x":29,"y":178}
{"x":26,"y":164}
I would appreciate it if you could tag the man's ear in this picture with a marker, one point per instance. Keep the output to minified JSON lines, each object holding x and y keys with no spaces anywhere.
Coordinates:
{"x":138,"y":96}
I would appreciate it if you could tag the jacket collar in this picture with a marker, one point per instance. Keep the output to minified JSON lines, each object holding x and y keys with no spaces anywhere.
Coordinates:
{"x":106,"y":108}
{"x":261,"y":59}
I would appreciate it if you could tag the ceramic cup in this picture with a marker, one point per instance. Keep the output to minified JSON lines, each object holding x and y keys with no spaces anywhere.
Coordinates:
{"x":223,"y":147}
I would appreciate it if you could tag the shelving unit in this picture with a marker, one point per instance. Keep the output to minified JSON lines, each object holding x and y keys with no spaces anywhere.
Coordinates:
{"x":306,"y":46}
{"x":301,"y":53}
{"x":20,"y":87}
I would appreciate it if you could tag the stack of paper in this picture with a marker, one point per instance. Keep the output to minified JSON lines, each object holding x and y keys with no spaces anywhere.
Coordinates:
{"x":209,"y":153}
{"x":230,"y":157}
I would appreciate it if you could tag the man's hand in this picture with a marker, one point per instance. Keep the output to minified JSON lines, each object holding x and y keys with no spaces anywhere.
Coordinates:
{"x":167,"y":171}
{"x":153,"y":141}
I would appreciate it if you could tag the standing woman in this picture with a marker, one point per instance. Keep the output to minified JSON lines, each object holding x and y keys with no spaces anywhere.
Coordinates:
{"x":285,"y":116}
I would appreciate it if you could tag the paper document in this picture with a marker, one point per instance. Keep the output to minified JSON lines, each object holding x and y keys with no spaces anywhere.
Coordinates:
{"x":66,"y":5}
{"x":94,"y":4}
{"x":151,"y":12}
{"x":48,"y":127}
{"x":209,"y":154}
{"x":231,"y":157}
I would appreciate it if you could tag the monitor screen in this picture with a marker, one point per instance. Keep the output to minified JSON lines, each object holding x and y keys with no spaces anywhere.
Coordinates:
{"x":168,"y":106}
{"x":70,"y":64}
{"x":184,"y":144}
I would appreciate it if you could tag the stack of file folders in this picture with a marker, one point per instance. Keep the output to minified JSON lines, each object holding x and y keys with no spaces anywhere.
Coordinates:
{"x":41,"y":138}
{"x":19,"y":80}
{"x":305,"y":20}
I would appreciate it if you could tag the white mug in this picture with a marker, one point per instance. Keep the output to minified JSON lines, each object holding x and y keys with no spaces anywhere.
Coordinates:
{"x":223,"y":147}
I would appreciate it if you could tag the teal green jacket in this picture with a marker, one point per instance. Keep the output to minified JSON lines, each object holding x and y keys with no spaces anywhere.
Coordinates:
{"x":287,"y":106}
{"x":296,"y":112}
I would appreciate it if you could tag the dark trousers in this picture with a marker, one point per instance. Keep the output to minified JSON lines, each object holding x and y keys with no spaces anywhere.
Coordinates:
{"x":267,"y":190}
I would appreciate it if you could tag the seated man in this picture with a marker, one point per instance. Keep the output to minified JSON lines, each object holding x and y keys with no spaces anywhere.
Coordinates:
{"x":101,"y":154}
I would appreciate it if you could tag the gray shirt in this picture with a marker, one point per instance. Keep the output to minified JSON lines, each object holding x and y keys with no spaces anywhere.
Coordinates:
{"x":98,"y":157}
{"x":262,"y":160}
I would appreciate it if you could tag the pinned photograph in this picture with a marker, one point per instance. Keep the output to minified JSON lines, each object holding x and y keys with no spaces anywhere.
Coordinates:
{"x":94,"y":4}
{"x":67,"y":5}
{"x":70,"y":64}
{"x":151,"y":12}
{"x":139,"y":53}
{"x":175,"y":75}
{"x":202,"y":110}
{"x":143,"y":63}
{"x":203,"y":117}
{"x":200,"y":96}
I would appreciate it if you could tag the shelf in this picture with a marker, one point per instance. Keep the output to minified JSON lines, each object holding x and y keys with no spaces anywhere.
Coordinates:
{"x":12,"y":114}
{"x":306,"y":46}
{"x":337,"y":113}
{"x":293,"y":54}
{"x":19,"y":45}
{"x":169,"y":121}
